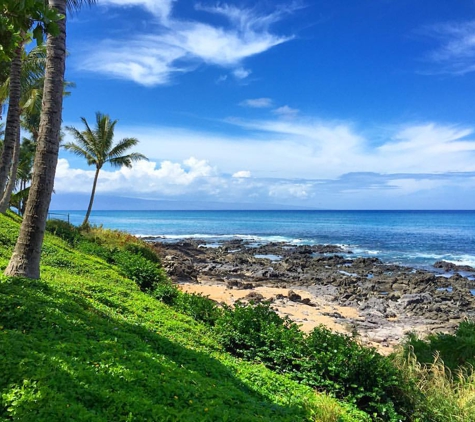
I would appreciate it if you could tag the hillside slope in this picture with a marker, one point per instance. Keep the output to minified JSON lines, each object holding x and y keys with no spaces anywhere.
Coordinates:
{"x":85,"y":344}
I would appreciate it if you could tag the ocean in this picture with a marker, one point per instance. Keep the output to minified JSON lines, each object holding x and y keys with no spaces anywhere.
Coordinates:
{"x":412,"y":238}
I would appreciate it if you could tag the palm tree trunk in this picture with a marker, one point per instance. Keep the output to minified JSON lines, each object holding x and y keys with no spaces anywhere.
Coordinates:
{"x":13,"y":119}
{"x":5,"y":201}
{"x":25,"y":260}
{"x":91,"y":201}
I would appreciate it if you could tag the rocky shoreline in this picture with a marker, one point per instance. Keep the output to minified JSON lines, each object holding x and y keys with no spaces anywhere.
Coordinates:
{"x":387,"y":301}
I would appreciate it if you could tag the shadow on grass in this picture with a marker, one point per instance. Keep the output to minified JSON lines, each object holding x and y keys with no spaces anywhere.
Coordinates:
{"x":62,"y":359}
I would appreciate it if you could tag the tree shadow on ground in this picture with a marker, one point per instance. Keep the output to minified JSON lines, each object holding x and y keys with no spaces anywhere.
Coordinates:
{"x":62,"y":359}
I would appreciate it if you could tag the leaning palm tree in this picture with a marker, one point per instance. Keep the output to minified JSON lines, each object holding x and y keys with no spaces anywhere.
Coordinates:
{"x":97,"y":147}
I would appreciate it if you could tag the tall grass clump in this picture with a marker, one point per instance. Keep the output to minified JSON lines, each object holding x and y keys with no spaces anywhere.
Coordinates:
{"x":446,"y":396}
{"x":455,"y":350}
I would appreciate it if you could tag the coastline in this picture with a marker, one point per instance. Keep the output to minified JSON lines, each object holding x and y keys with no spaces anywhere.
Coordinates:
{"x":324,"y":284}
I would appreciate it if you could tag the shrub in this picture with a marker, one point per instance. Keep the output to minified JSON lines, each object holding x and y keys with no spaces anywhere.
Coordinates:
{"x":91,"y":248}
{"x":199,"y":307}
{"x":455,"y":350}
{"x":144,"y":250}
{"x":256,"y":332}
{"x":340,"y":365}
{"x":64,"y":230}
{"x":166,"y":292}
{"x":322,"y":359}
{"x":145,"y":273}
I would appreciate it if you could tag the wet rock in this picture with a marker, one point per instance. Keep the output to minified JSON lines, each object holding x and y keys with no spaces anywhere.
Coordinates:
{"x":450,"y":266}
{"x":392,"y":290}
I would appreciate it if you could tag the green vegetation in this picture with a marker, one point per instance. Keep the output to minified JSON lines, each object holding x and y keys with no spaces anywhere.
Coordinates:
{"x":86,"y":344}
{"x":106,"y":336}
{"x":456,"y":351}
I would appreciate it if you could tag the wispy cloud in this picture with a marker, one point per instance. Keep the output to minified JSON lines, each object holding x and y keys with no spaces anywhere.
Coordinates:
{"x":286,"y":112}
{"x":152,"y":58}
{"x":242,"y":174}
{"x":456,"y":52}
{"x":304,"y":161}
{"x":160,"y":8}
{"x":241,"y":73}
{"x":257,"y":103}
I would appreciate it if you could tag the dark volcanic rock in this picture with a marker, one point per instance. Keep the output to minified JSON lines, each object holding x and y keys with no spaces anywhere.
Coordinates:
{"x":450,"y":266}
{"x":294,"y":297}
{"x":378,"y":290}
{"x":254,"y":297}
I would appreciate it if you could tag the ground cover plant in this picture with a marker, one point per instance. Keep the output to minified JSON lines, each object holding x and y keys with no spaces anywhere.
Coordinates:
{"x":96,"y":320}
{"x":85,"y":343}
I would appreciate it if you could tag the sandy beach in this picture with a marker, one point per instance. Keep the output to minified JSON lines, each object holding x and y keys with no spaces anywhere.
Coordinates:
{"x":379,"y":303}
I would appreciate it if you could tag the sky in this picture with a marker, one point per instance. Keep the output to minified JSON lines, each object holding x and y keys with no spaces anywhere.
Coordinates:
{"x":335,"y":104}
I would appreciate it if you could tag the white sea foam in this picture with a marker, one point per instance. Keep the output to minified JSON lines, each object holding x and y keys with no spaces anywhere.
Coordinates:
{"x":463,"y":260}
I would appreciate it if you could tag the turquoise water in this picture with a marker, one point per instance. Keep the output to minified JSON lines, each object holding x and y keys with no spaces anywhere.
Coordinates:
{"x":415,"y":238}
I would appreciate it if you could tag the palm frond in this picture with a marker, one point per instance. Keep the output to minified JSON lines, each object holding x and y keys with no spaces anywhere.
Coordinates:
{"x":127,"y":160}
{"x":121,"y":147}
{"x":75,"y":5}
{"x":81,"y":152}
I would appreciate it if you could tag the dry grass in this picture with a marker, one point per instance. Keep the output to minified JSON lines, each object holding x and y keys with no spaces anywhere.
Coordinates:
{"x":447,"y":396}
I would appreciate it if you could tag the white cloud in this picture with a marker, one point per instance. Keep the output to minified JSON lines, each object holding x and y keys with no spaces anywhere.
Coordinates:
{"x":456,"y":53}
{"x":290,"y":190}
{"x":286,"y":112}
{"x":309,"y":148}
{"x":257,"y":103}
{"x":151,"y":59}
{"x":302,"y":161}
{"x":242,"y":174}
{"x":170,"y":178}
{"x":241,"y":73}
{"x":160,"y":8}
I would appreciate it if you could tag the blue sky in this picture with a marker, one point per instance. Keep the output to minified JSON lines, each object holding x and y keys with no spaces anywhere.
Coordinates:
{"x":339,"y":104}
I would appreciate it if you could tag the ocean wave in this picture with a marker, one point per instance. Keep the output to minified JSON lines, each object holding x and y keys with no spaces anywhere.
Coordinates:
{"x":462,"y":260}
{"x":200,"y":236}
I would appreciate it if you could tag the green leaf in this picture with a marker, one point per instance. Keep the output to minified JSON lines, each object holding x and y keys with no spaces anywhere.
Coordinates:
{"x":38,"y":34}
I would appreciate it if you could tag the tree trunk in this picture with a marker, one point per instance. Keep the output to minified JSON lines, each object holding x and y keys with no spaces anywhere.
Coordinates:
{"x":5,"y":201}
{"x":25,"y":260}
{"x":91,"y":201}
{"x":13,"y":119}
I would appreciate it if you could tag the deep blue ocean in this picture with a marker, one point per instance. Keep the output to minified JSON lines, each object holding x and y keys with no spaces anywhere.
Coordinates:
{"x":413,"y":238}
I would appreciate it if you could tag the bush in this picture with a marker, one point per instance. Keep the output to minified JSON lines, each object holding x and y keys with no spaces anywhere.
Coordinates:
{"x":199,"y":307}
{"x":64,"y":230}
{"x":340,"y":365}
{"x":92,"y":248}
{"x":322,"y":359}
{"x":457,"y":350}
{"x":256,"y":332}
{"x":143,"y":250}
{"x":166,"y":292}
{"x":135,"y":267}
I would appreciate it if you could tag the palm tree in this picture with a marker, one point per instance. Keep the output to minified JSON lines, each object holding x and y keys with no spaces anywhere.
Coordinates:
{"x":31,"y":89}
{"x":12,"y":130}
{"x":97,"y":147}
{"x":25,"y":260}
{"x":23,"y":176}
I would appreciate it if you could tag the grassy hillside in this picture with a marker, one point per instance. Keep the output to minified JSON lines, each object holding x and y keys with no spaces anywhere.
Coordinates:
{"x":85,"y":344}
